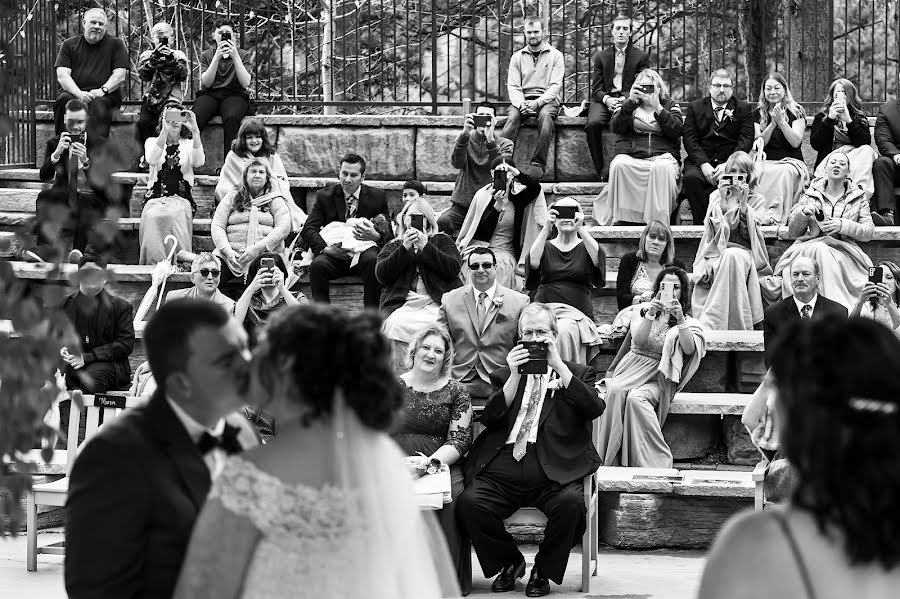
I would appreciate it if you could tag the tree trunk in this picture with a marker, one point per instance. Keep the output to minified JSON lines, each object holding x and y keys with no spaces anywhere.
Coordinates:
{"x":809,"y":26}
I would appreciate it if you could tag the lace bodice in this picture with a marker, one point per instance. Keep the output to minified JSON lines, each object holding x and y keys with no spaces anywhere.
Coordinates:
{"x":655,"y":340}
{"x":306,"y":548}
{"x":641,"y":283}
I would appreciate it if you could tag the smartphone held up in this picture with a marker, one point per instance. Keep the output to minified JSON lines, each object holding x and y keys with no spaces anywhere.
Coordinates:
{"x":537,"y":358}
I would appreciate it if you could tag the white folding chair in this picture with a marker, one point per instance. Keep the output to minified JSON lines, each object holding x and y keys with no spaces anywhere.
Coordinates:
{"x":55,"y":493}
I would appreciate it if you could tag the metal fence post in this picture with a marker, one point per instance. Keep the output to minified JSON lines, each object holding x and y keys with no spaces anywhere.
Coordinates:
{"x":434,"y":87}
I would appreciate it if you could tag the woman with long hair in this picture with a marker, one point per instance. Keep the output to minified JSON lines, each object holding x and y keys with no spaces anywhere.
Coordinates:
{"x":842,"y":126}
{"x":326,"y":508}
{"x":253,"y":218}
{"x":838,"y":384}
{"x":661,"y":353}
{"x":643,"y":177}
{"x":881,"y":301}
{"x":780,"y":124}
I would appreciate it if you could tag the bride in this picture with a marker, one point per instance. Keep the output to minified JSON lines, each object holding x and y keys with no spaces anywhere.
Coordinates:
{"x":325,"y":509}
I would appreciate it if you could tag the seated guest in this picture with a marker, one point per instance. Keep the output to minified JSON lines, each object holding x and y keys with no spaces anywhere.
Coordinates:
{"x":506,"y":221}
{"x":638,"y":270}
{"x":614,"y":70}
{"x":224,"y":81}
{"x":767,"y":211}
{"x":253,"y":142}
{"x":715,"y":127}
{"x":103,"y":324}
{"x":562,"y":274}
{"x":534,"y":86}
{"x":828,"y":222}
{"x":415,"y":270}
{"x":838,"y":536}
{"x":79,"y":195}
{"x":364,"y":211}
{"x":206,"y":272}
{"x":481,"y":317}
{"x":169,"y":207}
{"x":435,"y":425}
{"x":253,"y":218}
{"x":643,"y":177}
{"x":881,"y":301}
{"x":535,"y":451}
{"x":664,"y":349}
{"x":842,"y":126}
{"x":475,"y":150}
{"x":266,"y":293}
{"x":91,"y":68}
{"x":731,"y":258}
{"x":884,"y":170}
{"x":165,"y":69}
{"x":780,"y":123}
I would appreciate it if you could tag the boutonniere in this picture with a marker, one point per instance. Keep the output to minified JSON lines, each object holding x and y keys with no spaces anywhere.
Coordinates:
{"x":497,"y":302}
{"x":728,"y":114}
{"x":555,"y":385}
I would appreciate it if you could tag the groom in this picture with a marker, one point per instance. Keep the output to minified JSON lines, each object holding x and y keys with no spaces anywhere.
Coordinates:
{"x":535,"y":450}
{"x":140,"y":482}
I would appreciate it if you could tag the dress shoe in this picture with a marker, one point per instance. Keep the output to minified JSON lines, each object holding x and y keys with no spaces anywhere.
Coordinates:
{"x":538,"y":585}
{"x":885,"y":218}
{"x":506,"y":580}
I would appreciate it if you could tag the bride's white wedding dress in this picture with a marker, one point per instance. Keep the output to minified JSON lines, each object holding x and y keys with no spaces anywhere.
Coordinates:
{"x":363,"y":536}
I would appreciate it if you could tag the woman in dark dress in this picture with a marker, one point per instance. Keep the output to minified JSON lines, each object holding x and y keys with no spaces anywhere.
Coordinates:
{"x":436,"y":420}
{"x":562,"y":272}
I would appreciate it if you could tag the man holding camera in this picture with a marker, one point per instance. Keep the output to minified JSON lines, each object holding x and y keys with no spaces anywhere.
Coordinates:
{"x":476,"y":148}
{"x":615,"y":68}
{"x":715,"y":127}
{"x":165,"y":69}
{"x":91,"y":68}
{"x":535,"y":451}
{"x":78,"y":196}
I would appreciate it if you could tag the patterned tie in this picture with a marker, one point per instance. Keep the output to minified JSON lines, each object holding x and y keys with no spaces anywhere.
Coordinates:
{"x":524,"y":432}
{"x":351,"y":207}
{"x":806,"y":311}
{"x":480,"y":310}
{"x":719,"y":110}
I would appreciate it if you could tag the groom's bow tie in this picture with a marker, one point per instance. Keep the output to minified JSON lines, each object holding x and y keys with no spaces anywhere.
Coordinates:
{"x":228,"y":441}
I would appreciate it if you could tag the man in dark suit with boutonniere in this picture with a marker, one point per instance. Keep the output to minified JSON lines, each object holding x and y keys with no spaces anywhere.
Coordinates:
{"x":715,"y":127}
{"x":804,"y":303}
{"x":349,"y":199}
{"x":535,"y":451}
{"x":138,"y":485}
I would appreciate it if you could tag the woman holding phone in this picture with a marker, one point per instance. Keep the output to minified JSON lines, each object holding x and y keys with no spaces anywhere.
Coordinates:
{"x":265,"y":294}
{"x":732,"y":255}
{"x":415,"y":269}
{"x":562,"y":273}
{"x":880,"y":297}
{"x":828,"y":223}
{"x":643,"y":177}
{"x":168,"y":206}
{"x":842,"y":126}
{"x":658,"y":357}
{"x":780,"y":123}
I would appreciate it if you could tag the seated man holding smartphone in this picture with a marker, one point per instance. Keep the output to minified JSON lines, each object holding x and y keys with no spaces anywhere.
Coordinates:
{"x":535,"y":451}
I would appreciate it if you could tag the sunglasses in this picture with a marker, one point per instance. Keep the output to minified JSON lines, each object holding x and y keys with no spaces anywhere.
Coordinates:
{"x":481,"y":266}
{"x":205,"y":272}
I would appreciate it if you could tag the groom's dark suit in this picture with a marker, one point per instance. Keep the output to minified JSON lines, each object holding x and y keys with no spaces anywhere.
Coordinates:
{"x":134,"y":494}
{"x":549,"y":476}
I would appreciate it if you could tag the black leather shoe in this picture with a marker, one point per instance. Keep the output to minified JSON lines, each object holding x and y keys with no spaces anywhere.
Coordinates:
{"x":506,"y":580}
{"x":538,"y":585}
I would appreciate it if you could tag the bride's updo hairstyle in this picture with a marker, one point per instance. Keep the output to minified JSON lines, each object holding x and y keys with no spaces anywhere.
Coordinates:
{"x":328,"y":349}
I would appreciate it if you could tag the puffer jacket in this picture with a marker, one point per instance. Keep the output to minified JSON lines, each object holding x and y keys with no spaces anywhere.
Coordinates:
{"x":852,"y":210}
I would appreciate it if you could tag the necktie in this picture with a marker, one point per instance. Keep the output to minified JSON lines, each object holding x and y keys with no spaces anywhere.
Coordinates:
{"x":351,"y":207}
{"x":480,"y":309}
{"x":72,"y":171}
{"x":806,"y":311}
{"x":228,"y":441}
{"x":524,"y":432}
{"x":719,"y":110}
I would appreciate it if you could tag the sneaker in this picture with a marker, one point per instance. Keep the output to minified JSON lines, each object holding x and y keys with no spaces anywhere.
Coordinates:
{"x":883,"y":219}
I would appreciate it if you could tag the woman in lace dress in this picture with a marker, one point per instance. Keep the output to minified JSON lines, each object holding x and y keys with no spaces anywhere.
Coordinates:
{"x":665,"y":349}
{"x":436,"y":422}
{"x":326,"y":508}
{"x":881,"y":301}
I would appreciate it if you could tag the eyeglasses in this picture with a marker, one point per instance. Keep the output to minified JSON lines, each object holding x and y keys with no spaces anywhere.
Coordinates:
{"x":481,"y":266}
{"x":722,"y":85}
{"x":535,"y":333}
{"x":205,"y":272}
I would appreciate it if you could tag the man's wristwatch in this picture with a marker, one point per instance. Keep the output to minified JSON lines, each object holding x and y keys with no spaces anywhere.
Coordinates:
{"x":433,"y":467}
{"x":105,"y":90}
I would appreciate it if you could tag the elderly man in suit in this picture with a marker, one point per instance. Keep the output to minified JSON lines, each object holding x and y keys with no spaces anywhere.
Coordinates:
{"x":886,"y":169}
{"x":481,"y":318}
{"x":139,"y":483}
{"x":615,"y":68}
{"x":349,"y":199}
{"x":535,"y":451}
{"x":804,"y":303}
{"x":715,"y":127}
